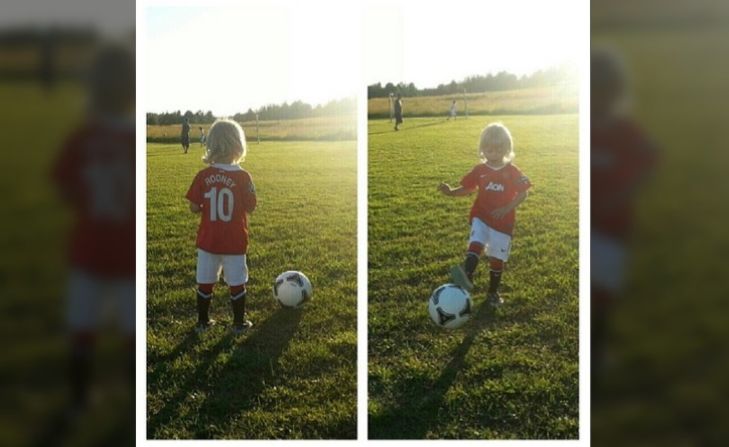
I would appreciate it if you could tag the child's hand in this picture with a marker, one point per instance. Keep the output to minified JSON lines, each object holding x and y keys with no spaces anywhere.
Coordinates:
{"x":498,"y":213}
{"x":445,"y":188}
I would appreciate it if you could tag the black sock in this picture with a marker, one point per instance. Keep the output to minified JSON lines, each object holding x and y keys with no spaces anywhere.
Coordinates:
{"x":80,"y":375}
{"x":203,"y":307}
{"x":495,"y":281}
{"x":239,"y":308}
{"x":470,"y":264}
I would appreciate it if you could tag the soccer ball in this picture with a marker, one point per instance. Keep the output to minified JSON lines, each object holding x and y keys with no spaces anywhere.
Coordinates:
{"x":449,"y":306}
{"x":292,"y":289}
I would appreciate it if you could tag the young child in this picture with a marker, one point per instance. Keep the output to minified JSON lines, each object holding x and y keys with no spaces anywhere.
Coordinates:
{"x":224,"y":195}
{"x":94,"y":174}
{"x":622,"y":158}
{"x":397,"y":105}
{"x":501,"y":188}
{"x":452,"y":111}
{"x":202,"y":137}
{"x":185,"y":135}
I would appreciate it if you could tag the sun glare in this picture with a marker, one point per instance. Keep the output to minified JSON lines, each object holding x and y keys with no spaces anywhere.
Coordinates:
{"x":228,"y":58}
{"x":433,"y":43}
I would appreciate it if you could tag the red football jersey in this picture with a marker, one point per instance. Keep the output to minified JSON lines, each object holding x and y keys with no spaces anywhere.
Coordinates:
{"x":226,"y":195}
{"x":496,"y":188}
{"x":95,"y":173}
{"x":620,"y":157}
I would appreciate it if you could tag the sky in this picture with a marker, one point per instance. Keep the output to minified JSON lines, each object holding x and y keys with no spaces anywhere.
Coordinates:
{"x":231,"y":56}
{"x":228,"y":56}
{"x":430,"y":43}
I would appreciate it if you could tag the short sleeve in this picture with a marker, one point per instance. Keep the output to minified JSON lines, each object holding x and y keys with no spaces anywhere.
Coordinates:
{"x":249,"y":194}
{"x":521,"y":181}
{"x":470,"y":180}
{"x":195,"y":193}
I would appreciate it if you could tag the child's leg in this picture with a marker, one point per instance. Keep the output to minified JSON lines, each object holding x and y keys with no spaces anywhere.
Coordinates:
{"x":477,"y":242}
{"x":496,"y":268}
{"x":601,"y":300}
{"x":238,"y":303}
{"x":208,"y":272}
{"x":498,"y":254}
{"x":235,"y":272}
{"x":125,"y":293}
{"x":85,"y":295}
{"x":204,"y":297}
{"x":80,"y":366}
{"x":472,"y":256}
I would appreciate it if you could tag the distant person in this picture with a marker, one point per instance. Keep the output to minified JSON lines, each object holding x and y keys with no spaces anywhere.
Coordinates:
{"x":94,"y":174}
{"x":224,"y":195}
{"x":185,"y":135}
{"x":202,"y":137}
{"x":501,"y":187}
{"x":397,"y":105}
{"x":47,"y":66}
{"x":452,"y":111}
{"x":622,"y":158}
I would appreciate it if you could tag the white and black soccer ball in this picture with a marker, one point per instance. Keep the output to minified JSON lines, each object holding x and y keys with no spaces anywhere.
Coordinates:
{"x":292,"y":289}
{"x":450,"y":306}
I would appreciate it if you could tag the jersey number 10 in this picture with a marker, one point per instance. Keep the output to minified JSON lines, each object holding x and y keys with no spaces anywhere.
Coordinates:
{"x":221,"y":204}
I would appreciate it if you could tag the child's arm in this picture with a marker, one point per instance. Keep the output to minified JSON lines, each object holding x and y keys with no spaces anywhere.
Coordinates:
{"x":448,"y":190}
{"x":195,"y":208}
{"x":501,"y":212}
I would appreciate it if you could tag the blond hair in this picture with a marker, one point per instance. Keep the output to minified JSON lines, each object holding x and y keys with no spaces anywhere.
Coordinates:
{"x":226,"y":143}
{"x":496,"y":134}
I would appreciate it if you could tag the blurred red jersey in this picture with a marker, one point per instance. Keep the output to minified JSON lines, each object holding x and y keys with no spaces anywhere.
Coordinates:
{"x":226,"y":195}
{"x":496,"y":188}
{"x":621,"y":157}
{"x":95,"y":173}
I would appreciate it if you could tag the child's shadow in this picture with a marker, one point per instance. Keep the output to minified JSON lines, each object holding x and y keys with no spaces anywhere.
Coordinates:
{"x":252,"y":366}
{"x":420,"y":401}
{"x":236,"y":386}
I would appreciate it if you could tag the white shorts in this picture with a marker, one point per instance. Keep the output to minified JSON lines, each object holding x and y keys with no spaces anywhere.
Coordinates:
{"x":496,"y":244}
{"x":92,"y":300}
{"x":607,"y":262}
{"x":209,"y":265}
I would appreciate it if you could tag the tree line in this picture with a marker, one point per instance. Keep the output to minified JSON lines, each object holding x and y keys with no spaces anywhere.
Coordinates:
{"x":478,"y":84}
{"x":270,"y":112}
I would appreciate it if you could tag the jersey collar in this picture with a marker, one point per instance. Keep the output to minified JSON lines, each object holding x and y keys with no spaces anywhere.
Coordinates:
{"x":496,"y":169}
{"x":225,"y":167}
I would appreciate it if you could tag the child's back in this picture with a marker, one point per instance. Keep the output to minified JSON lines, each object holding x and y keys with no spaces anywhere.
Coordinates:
{"x":224,"y":195}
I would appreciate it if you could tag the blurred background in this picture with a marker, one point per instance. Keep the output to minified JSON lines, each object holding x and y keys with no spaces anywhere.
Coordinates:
{"x":659,"y":233}
{"x":67,"y":234}
{"x":662,"y":377}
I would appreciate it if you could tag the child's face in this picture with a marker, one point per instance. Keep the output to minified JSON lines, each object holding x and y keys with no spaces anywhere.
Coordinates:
{"x":493,"y":153}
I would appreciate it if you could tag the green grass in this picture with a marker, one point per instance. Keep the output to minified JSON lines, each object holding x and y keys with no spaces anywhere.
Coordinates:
{"x":667,"y":382}
{"x":294,"y":374}
{"x":508,"y":374}
{"x":528,"y":101}
{"x":33,"y":274}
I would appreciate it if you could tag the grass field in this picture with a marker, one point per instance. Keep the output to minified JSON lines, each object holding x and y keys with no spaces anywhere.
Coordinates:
{"x":327,"y":128}
{"x":526,"y":101}
{"x":508,"y":374}
{"x":294,"y":374}
{"x":33,"y":276}
{"x":667,"y":383}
